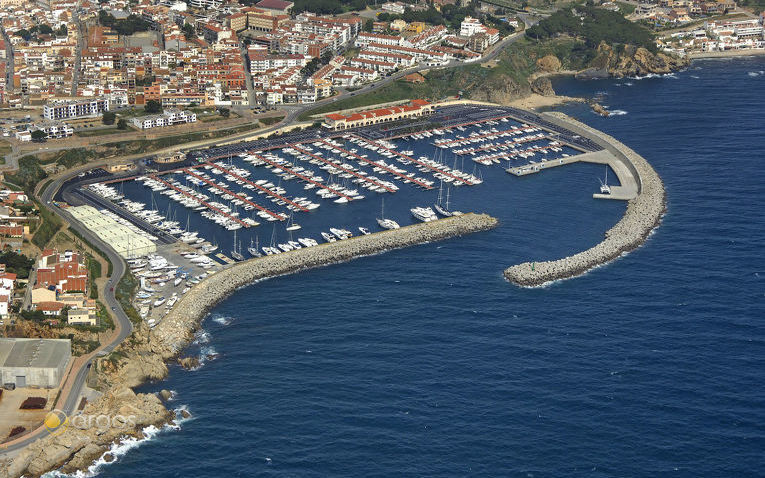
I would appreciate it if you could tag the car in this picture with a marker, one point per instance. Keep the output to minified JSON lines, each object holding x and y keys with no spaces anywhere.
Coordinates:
{"x":114,"y":308}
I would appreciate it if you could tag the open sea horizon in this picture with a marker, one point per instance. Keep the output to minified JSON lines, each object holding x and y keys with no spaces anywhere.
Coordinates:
{"x":426,"y":362}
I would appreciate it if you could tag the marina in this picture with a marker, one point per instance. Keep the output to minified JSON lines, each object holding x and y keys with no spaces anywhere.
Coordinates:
{"x":262,"y":198}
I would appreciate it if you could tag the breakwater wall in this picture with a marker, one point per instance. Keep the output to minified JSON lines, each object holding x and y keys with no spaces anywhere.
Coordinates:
{"x":642,"y":216}
{"x":176,"y":330}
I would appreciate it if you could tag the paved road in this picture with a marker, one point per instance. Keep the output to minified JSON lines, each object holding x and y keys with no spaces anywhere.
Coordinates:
{"x":126,"y":327}
{"x":81,"y":43}
{"x":77,"y":377}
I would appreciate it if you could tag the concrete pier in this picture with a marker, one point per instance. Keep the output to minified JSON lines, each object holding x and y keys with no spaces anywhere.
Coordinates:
{"x":628,"y":188}
{"x":176,"y":329}
{"x":647,"y":203}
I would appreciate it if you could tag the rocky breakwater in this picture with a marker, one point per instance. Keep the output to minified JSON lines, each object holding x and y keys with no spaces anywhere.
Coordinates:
{"x":176,"y":330}
{"x":642,"y":216}
{"x":144,"y":355}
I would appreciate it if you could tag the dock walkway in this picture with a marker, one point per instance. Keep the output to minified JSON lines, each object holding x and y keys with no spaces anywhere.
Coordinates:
{"x":343,"y":168}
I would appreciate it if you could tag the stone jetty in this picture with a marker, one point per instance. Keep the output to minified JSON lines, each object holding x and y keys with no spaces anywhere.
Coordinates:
{"x":176,"y":330}
{"x":643,"y":214}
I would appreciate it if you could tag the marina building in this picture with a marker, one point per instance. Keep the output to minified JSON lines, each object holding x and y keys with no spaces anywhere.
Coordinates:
{"x":415,"y":108}
{"x":127,"y":242}
{"x":34,"y":362}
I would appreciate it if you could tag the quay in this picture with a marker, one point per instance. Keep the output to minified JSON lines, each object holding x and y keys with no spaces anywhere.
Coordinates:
{"x":177,"y":328}
{"x":627,"y":190}
{"x":641,"y":186}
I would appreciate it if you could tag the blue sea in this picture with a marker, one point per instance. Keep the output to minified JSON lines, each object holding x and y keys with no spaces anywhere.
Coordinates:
{"x":426,"y":362}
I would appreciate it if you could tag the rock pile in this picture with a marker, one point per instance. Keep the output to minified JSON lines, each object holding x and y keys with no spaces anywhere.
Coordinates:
{"x":176,"y":330}
{"x":642,"y":216}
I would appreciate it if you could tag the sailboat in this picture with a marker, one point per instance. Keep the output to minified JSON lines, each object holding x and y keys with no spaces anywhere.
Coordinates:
{"x":254,"y":249}
{"x":235,"y":253}
{"x":444,"y":211}
{"x":291,"y":224}
{"x":386,"y":223}
{"x":604,"y":187}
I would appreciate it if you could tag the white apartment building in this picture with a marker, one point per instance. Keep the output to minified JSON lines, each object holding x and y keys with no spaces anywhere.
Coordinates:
{"x":59,"y":110}
{"x":169,"y":117}
{"x":470,"y":26}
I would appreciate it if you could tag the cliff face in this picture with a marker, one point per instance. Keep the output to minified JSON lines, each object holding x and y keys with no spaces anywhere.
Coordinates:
{"x":631,"y":61}
{"x":501,"y":90}
{"x":76,"y":448}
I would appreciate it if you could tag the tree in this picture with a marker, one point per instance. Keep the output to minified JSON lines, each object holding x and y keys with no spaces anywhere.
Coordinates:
{"x":188,"y":31}
{"x":109,"y":117}
{"x":62,"y":30}
{"x":39,"y":135}
{"x":122,"y":124}
{"x":325,"y":58}
{"x":224,"y":112}
{"x":152,"y":106}
{"x":368,"y":25}
{"x":45,"y":29}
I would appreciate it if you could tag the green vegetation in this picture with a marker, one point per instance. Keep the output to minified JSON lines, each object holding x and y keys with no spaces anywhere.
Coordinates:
{"x":47,"y":229}
{"x":270,"y":120}
{"x":39,"y":135}
{"x":152,"y":107}
{"x":98,"y":132}
{"x":94,"y":272}
{"x":756,"y":5}
{"x":148,"y":145}
{"x":109,"y":117}
{"x":124,"y":293}
{"x":29,"y":174}
{"x":122,"y":124}
{"x":592,"y":26}
{"x":126,"y":26}
{"x":18,"y":264}
{"x":626,"y":8}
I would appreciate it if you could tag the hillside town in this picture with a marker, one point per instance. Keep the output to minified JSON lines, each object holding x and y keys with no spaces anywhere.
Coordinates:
{"x":79,"y":60}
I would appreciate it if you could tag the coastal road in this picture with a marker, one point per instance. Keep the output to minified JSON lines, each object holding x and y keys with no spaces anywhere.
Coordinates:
{"x":76,"y":379}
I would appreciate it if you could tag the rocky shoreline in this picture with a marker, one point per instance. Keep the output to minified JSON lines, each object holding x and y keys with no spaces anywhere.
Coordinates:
{"x":144,"y":355}
{"x":643,"y":215}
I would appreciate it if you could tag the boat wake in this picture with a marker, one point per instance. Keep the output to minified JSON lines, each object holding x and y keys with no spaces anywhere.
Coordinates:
{"x":616,"y":112}
{"x":121,"y":448}
{"x":755,"y":74}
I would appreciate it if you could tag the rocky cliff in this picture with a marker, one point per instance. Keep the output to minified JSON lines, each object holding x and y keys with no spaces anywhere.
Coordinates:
{"x":80,"y":444}
{"x":630,"y":61}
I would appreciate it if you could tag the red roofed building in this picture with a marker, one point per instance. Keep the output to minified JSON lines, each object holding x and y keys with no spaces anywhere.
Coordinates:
{"x":415,"y":108}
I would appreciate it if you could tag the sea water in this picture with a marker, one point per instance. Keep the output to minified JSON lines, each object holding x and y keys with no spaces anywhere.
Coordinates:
{"x":425,"y":362}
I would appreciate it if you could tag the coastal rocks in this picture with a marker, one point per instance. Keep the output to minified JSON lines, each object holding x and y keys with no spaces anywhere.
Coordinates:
{"x":500,"y":90}
{"x":599,"y":109}
{"x":165,"y":395}
{"x":548,"y":64}
{"x":176,"y":329}
{"x":631,"y":61}
{"x":189,"y":363}
{"x":642,"y":216}
{"x":84,"y":441}
{"x":542,"y":86}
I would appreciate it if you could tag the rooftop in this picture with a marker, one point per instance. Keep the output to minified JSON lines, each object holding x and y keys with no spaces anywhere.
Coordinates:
{"x":44,"y":353}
